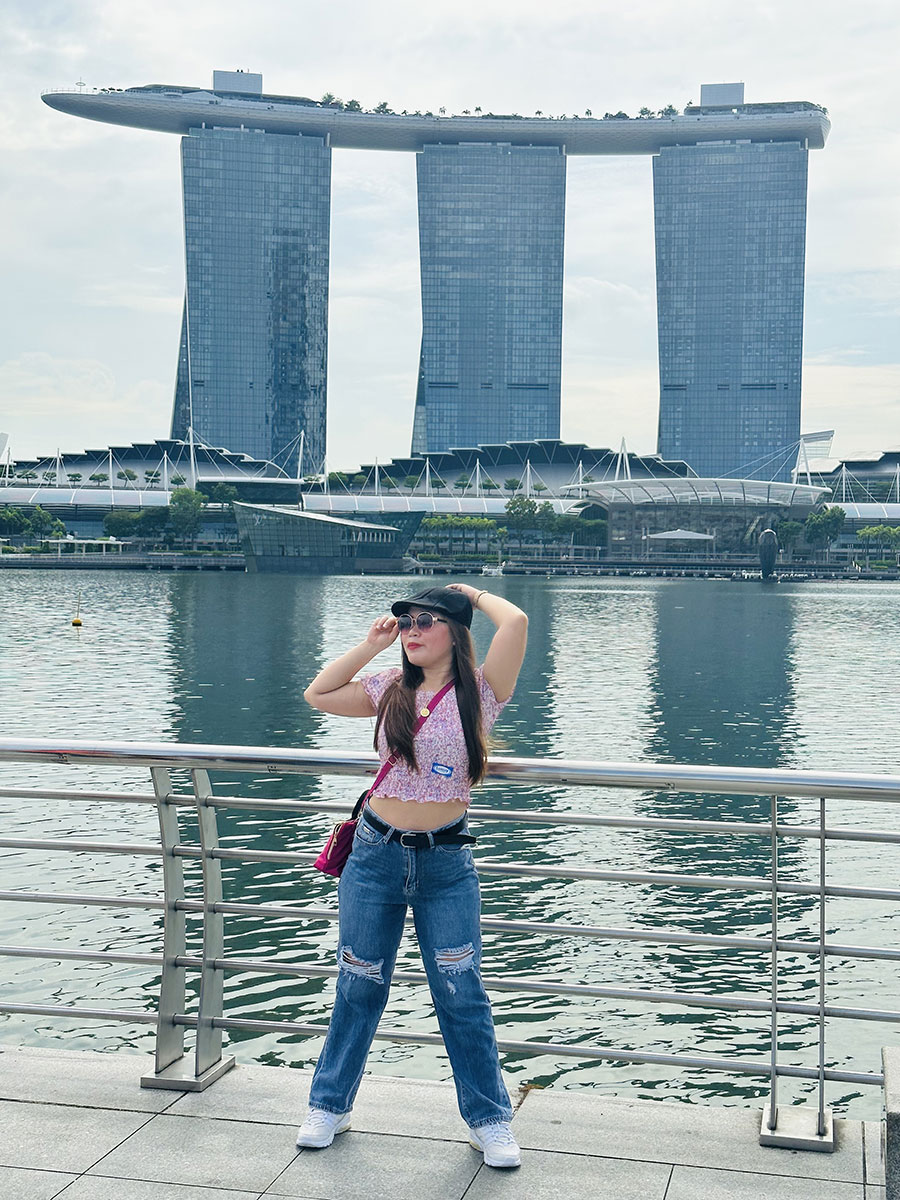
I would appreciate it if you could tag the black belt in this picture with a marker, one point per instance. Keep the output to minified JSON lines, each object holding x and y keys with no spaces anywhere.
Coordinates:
{"x":413,"y":839}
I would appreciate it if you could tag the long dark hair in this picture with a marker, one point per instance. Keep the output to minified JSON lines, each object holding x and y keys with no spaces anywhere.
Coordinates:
{"x":397,"y":710}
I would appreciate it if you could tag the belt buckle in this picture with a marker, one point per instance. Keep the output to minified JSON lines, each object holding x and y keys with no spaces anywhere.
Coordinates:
{"x":405,"y":834}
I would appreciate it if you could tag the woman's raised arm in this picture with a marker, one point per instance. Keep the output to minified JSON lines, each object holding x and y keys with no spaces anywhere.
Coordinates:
{"x":507,"y":649}
{"x":334,"y":690}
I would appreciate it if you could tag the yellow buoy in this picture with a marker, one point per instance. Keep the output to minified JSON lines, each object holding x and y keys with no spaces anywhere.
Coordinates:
{"x":76,"y":620}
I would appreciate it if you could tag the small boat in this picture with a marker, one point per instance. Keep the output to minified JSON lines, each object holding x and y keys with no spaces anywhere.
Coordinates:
{"x":498,"y":570}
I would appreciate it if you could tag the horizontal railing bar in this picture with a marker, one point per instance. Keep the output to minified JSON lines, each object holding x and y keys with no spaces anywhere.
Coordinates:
{"x":77,"y":847}
{"x":44,"y":794}
{"x":90,"y":1014}
{"x":75,"y":898}
{"x":656,"y":878}
{"x":493,"y":982}
{"x":500,"y":983}
{"x":110,"y":956}
{"x":521,"y":816}
{"x":736,"y":1066}
{"x":529,"y":816}
{"x":657,"y":776}
{"x":496,"y":924}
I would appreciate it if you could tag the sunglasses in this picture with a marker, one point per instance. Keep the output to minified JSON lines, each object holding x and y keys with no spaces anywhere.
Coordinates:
{"x":425,"y":620}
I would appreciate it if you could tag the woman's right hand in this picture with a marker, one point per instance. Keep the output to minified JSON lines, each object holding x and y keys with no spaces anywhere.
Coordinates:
{"x":384,"y":631}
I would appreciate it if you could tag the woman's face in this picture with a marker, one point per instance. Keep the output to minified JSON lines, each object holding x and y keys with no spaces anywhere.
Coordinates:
{"x":428,"y":647}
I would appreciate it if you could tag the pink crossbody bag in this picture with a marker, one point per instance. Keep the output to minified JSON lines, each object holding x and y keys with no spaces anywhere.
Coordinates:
{"x":334,"y":857}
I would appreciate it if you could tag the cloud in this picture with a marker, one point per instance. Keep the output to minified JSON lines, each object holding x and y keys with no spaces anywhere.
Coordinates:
{"x":48,"y":402}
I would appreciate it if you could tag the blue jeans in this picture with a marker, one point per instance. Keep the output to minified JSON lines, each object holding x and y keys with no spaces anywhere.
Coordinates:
{"x":380,"y":880}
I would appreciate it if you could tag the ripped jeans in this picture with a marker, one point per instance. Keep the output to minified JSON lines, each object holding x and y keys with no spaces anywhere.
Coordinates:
{"x":381,"y":879}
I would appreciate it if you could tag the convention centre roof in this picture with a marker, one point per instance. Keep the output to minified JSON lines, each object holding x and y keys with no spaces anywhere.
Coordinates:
{"x":692,"y":490}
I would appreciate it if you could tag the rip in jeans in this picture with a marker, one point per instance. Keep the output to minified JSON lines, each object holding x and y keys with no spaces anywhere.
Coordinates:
{"x":347,"y":961}
{"x":455,"y":960}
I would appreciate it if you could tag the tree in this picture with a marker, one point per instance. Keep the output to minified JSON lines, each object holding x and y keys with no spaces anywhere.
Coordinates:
{"x":539,"y":487}
{"x":75,"y":477}
{"x":645,"y":113}
{"x":788,"y":532}
{"x":121,"y":523}
{"x":27,"y":476}
{"x":98,"y":477}
{"x":442,"y":111}
{"x":151,"y":478}
{"x":185,"y":509}
{"x":42,"y":524}
{"x":220,"y":493}
{"x":174,"y":481}
{"x":588,"y":113}
{"x":545,"y":519}
{"x":669,"y":111}
{"x":12,"y":521}
{"x":328,"y":98}
{"x":49,"y":477}
{"x":489,"y":485}
{"x":512,"y":485}
{"x":462,"y":483}
{"x":127,"y":475}
{"x":353,"y":106}
{"x":383,"y":109}
{"x":822,"y":528}
{"x":411,"y":482}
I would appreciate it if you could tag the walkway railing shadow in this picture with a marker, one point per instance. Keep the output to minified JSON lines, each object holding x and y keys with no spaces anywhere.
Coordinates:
{"x":788,"y":1125}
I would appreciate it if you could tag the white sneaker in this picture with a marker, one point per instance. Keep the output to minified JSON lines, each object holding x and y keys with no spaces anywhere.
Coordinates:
{"x":499,"y":1146}
{"x":320,"y":1128}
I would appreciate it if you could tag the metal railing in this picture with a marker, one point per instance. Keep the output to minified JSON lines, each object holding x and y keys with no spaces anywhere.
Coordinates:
{"x":790,"y":1126}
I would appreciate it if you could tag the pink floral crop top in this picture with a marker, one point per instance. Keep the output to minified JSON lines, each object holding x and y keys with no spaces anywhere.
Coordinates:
{"x":440,"y":744}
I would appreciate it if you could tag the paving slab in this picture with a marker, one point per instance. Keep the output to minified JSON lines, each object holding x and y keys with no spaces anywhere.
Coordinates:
{"x":690,"y":1182}
{"x":19,"y":1184}
{"x":267,"y":1095}
{"x":203,"y":1153}
{"x":384,"y":1104}
{"x":57,"y":1137}
{"x":681,"y":1134}
{"x":92,"y":1187}
{"x":371,"y":1166}
{"x":83,"y":1078}
{"x":548,"y":1176}
{"x":873,"y":1140}
{"x":875,"y":1193}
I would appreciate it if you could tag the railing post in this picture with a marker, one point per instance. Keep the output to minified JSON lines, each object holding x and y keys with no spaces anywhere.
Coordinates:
{"x":210,"y":1064}
{"x":169,"y":1035}
{"x":793,"y":1127}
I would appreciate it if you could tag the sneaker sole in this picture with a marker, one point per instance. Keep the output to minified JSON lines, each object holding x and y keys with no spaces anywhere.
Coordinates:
{"x":500,"y":1166}
{"x":320,"y":1145}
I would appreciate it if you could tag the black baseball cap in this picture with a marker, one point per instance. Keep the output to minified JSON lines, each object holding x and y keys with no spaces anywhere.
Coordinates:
{"x":452,"y":604}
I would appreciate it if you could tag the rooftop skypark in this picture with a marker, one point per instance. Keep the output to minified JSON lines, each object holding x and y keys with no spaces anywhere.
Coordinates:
{"x":236,"y":104}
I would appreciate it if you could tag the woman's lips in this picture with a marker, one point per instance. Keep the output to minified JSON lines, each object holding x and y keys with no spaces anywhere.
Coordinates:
{"x":414,"y":645}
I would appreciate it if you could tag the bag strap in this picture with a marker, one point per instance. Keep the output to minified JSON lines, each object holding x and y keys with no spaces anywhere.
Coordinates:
{"x":424,"y":714}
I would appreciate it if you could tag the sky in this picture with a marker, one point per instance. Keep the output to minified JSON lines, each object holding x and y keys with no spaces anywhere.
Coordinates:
{"x":92,"y":253}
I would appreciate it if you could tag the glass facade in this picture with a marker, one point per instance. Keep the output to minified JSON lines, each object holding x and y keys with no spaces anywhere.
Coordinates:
{"x":491,"y":229}
{"x":291,"y":541}
{"x":730,"y":251}
{"x":252,"y":363}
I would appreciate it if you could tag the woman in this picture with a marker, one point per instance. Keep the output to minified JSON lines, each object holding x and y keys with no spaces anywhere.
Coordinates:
{"x":411,"y":849}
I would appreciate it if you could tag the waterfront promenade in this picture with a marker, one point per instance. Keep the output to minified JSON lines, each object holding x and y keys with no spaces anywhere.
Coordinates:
{"x":77,"y":1125}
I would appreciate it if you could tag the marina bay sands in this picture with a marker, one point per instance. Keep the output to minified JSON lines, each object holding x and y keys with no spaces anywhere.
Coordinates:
{"x":730,"y":196}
